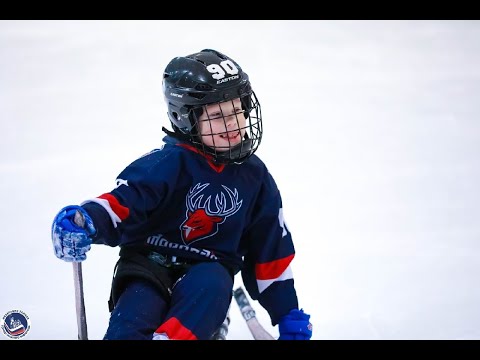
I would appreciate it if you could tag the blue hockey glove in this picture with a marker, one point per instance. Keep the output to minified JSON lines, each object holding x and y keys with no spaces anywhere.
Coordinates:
{"x":295,"y":326}
{"x":72,"y":236}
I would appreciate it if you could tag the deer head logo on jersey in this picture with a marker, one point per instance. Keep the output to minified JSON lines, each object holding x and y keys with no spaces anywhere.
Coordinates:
{"x":202,"y":221}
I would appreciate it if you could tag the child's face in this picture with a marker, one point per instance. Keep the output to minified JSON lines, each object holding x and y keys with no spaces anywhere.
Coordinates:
{"x":222,"y":125}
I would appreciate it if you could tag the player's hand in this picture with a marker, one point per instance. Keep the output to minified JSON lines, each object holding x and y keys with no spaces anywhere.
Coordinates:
{"x":72,"y":230}
{"x":295,"y":326}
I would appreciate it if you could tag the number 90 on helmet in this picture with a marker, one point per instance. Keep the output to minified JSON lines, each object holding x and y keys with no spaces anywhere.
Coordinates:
{"x":209,"y":77}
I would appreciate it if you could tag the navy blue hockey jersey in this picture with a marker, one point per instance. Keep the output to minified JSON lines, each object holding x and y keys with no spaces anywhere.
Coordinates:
{"x":175,"y":201}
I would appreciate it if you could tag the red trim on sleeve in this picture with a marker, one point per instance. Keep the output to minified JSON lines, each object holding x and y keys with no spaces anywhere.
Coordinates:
{"x":121,"y":211}
{"x":272,"y":269}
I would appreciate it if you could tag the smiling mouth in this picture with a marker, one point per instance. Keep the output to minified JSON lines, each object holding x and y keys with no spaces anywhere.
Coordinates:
{"x":231,"y":135}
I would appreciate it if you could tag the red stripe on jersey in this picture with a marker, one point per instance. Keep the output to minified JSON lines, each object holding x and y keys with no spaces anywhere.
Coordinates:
{"x":175,"y":330}
{"x":272,"y":269}
{"x":121,"y":211}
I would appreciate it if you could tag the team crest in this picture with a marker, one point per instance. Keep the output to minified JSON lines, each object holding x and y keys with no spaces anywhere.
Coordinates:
{"x":202,"y":217}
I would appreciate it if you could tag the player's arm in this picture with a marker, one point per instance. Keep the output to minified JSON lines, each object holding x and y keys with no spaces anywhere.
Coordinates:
{"x":108,"y":216}
{"x":129,"y":204}
{"x":267,"y":272}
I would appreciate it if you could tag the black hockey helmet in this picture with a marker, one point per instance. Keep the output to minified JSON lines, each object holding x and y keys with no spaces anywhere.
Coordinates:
{"x":208,"y":77}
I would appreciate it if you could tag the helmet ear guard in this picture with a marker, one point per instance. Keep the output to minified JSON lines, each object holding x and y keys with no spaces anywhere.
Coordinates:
{"x":188,"y":124}
{"x":204,"y":78}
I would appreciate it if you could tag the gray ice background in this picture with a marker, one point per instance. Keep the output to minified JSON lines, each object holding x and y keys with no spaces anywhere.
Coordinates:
{"x":371,"y":129}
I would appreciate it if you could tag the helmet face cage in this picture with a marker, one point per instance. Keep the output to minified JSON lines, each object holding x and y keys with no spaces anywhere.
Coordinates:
{"x":192,"y":83}
{"x":247,"y":123}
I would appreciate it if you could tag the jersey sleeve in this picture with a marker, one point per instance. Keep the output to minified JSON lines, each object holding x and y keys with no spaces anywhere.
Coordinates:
{"x":267,"y":273}
{"x":140,"y":188}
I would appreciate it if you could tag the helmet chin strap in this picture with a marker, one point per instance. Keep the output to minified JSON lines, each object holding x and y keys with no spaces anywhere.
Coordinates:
{"x":177,"y":134}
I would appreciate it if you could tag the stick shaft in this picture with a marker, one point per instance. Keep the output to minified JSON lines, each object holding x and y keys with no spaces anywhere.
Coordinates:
{"x":256,"y":329}
{"x":222,"y":331}
{"x":79,"y":301}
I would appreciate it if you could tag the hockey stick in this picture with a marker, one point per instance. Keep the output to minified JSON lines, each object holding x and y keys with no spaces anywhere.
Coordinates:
{"x":79,"y":301}
{"x":78,"y":284}
{"x":222,"y":331}
{"x":256,"y":329}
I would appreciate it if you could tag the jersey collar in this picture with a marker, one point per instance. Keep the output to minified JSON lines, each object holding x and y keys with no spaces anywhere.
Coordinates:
{"x":217,"y":167}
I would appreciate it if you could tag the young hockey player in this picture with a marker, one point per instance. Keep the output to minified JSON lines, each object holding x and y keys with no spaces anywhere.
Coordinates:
{"x":190,"y":215}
